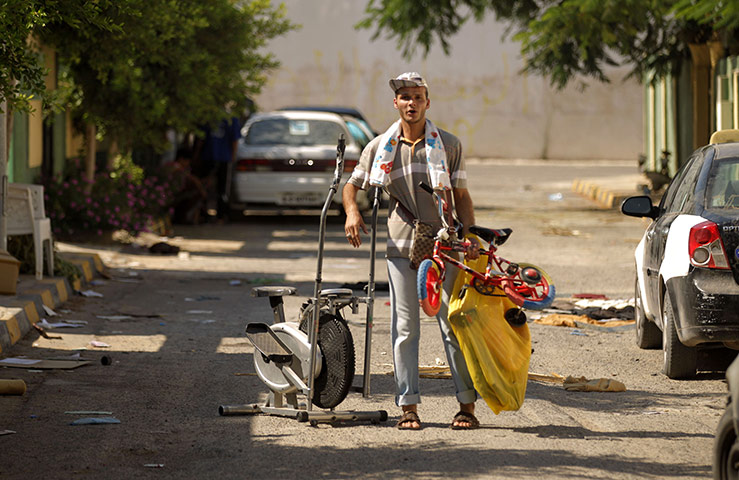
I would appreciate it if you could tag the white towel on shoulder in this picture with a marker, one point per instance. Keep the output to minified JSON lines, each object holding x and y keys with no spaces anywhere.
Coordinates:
{"x":435,"y":157}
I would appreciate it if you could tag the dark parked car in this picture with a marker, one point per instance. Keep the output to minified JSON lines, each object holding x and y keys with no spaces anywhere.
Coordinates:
{"x":687,"y":263}
{"x":343,"y":111}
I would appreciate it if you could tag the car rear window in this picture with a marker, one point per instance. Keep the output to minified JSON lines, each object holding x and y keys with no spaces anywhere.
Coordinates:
{"x":294,"y":132}
{"x":357,"y":133}
{"x":722,"y":190}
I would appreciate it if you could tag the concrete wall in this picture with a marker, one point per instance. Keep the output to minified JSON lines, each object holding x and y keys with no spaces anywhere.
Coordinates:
{"x":476,"y":92}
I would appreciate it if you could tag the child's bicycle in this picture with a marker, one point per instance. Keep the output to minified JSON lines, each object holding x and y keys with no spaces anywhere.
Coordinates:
{"x":525,"y":285}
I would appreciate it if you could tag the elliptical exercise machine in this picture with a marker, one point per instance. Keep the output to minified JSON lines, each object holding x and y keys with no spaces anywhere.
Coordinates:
{"x":315,"y":356}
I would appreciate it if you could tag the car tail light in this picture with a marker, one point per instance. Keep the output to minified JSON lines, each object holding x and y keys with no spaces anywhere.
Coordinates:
{"x":705,"y":247}
{"x":349,"y":165}
{"x":251,"y":164}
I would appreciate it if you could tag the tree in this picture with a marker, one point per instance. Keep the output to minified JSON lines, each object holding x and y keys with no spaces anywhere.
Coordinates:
{"x":564,"y":39}
{"x":21,"y":72}
{"x":172,"y":64}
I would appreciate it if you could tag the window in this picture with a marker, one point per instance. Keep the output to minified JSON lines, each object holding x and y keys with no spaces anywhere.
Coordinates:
{"x":293,"y":132}
{"x":722,"y":190}
{"x":357,"y":133}
{"x":684,"y":200}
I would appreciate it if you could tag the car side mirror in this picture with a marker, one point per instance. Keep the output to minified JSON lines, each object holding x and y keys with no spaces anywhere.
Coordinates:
{"x":639,"y":206}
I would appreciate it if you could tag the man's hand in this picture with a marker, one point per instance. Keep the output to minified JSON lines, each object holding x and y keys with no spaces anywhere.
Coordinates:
{"x":466,"y":213}
{"x":354,"y":221}
{"x":473,"y":250}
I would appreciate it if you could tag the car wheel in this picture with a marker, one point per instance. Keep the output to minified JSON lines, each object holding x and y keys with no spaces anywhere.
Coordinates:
{"x":680,"y":361}
{"x":725,"y":448}
{"x":648,"y":335}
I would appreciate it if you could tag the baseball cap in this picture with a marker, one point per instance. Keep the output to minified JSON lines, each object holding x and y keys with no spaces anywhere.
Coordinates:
{"x":408,"y":79}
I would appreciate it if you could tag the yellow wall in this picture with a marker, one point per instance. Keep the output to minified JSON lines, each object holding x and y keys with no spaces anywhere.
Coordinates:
{"x":35,"y":135}
{"x":75,"y":142}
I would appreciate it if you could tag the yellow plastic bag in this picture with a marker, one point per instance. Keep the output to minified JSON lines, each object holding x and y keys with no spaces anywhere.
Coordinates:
{"x":497,"y":354}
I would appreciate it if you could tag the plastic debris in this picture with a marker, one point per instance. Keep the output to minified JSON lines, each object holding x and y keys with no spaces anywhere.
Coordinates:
{"x":115,"y":318}
{"x":556,"y":197}
{"x":96,"y":421}
{"x":65,"y":324}
{"x":99,"y":344}
{"x":234,"y":283}
{"x":90,"y":293}
{"x":86,"y":412}
{"x":201,"y":298}
{"x":49,"y":311}
{"x":593,"y":296}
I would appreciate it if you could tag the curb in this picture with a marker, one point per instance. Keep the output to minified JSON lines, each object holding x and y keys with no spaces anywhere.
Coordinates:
{"x":605,"y":196}
{"x":20,"y":312}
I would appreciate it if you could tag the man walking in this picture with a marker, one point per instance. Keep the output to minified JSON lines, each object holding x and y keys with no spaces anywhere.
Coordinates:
{"x":410,"y":151}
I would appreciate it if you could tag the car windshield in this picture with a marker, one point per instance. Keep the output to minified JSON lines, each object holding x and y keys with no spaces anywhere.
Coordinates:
{"x":294,"y":132}
{"x":723,"y":184}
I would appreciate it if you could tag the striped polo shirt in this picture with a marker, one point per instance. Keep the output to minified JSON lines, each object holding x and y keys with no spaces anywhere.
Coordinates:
{"x":410,"y":168}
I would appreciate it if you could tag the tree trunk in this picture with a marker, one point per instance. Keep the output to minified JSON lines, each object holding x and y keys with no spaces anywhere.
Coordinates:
{"x":113,"y":152}
{"x":90,"y":157}
{"x":700,"y":78}
{"x":3,"y":177}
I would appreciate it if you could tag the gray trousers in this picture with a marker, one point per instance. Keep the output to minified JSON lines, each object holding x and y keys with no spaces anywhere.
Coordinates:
{"x":406,"y":333}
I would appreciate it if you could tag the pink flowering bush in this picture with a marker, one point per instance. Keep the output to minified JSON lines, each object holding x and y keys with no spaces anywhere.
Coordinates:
{"x":122,"y":199}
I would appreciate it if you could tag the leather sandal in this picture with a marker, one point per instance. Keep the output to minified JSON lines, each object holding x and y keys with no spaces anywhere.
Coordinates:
{"x":465,"y":417}
{"x":406,"y":421}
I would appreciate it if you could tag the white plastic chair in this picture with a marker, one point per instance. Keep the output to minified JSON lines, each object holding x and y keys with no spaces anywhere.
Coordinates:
{"x":26,"y":215}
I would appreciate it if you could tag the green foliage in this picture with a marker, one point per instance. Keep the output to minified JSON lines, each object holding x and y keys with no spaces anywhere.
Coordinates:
{"x":122,"y":199}
{"x":582,"y":37}
{"x":21,"y":247}
{"x":721,"y":14}
{"x":173,"y":63}
{"x":21,"y":71}
{"x":565,"y":39}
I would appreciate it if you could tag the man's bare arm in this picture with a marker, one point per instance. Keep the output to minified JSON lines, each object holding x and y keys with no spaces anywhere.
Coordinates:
{"x":354,"y":221}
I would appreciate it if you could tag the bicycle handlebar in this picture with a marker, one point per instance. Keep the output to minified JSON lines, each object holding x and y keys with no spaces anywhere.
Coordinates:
{"x":424,"y":186}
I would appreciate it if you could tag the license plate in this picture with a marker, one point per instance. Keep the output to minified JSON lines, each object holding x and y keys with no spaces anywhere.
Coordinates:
{"x":300,"y":198}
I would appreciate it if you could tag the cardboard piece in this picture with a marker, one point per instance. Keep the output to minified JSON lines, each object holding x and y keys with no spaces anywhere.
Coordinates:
{"x":36,"y":364}
{"x":9,"y":266}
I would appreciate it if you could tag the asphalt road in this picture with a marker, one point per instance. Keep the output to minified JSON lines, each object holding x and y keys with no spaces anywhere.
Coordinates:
{"x":175,"y":327}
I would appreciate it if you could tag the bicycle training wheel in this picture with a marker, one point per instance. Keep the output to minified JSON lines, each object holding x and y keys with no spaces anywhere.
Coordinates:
{"x":429,"y":282}
{"x":530,"y":287}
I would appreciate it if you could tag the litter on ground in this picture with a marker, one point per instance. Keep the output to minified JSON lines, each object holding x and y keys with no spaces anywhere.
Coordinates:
{"x":96,"y":421}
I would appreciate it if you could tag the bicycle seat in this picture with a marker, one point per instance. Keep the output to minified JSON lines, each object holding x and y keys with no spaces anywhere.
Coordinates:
{"x":271,"y":291}
{"x":494,"y":236}
{"x":336,"y":292}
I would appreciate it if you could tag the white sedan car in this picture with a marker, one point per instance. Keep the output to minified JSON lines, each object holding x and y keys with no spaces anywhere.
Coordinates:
{"x":287,"y":159}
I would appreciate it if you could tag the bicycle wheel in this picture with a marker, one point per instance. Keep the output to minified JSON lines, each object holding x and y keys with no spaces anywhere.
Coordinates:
{"x":530,"y":287}
{"x":429,"y":282}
